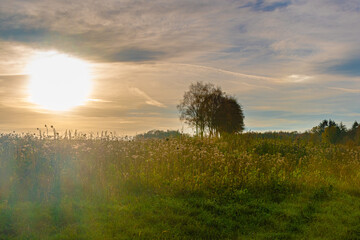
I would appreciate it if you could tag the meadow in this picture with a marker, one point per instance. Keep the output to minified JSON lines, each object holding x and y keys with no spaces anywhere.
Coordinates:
{"x":243,"y":186}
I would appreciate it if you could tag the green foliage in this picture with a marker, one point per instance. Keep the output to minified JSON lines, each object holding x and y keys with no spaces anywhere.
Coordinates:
{"x":209,"y":110}
{"x":248,"y":186}
{"x":229,"y":117}
{"x":159,"y":134}
{"x":331,"y":134}
{"x":357,"y":135}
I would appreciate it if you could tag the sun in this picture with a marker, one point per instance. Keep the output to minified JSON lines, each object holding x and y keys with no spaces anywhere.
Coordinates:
{"x":58,"y":82}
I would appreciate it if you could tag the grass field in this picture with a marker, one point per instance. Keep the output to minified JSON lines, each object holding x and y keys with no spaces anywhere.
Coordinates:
{"x":236,"y":187}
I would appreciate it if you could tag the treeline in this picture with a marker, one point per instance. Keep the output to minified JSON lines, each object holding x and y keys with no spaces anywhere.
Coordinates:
{"x":158,"y":134}
{"x":329,"y":131}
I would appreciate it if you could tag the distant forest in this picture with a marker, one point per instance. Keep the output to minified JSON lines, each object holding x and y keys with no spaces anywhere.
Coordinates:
{"x":328,"y":132}
{"x":158,"y":134}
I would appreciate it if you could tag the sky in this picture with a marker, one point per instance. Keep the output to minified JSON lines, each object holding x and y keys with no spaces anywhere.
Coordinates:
{"x":289,"y":63}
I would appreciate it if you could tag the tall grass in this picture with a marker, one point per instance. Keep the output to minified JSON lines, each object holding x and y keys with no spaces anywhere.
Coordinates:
{"x":43,"y":170}
{"x":52,"y":173}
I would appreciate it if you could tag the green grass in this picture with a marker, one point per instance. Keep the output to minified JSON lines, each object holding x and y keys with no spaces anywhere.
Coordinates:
{"x":237,"y":187}
{"x":151,"y":216}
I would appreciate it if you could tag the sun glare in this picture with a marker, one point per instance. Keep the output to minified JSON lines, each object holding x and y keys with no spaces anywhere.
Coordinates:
{"x":58,"y":82}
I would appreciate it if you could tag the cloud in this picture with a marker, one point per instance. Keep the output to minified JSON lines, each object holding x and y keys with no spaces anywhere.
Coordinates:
{"x":255,"y":50}
{"x":98,"y":100}
{"x":148,"y":99}
{"x":347,"y":6}
{"x":16,"y":117}
{"x":200,"y":32}
{"x":112,"y":31}
{"x":232,"y":73}
{"x":13,"y":88}
{"x":298,"y":78}
{"x":347,"y":90}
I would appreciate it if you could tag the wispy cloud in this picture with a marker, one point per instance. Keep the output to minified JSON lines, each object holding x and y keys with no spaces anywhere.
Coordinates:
{"x":233,"y":73}
{"x":347,"y":90}
{"x":99,"y":100}
{"x":298,"y":78}
{"x":148,"y":99}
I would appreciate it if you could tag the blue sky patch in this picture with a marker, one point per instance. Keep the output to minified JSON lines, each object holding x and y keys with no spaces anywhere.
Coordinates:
{"x":23,"y":35}
{"x":262,"y":6}
{"x":136,"y":55}
{"x":349,"y":67}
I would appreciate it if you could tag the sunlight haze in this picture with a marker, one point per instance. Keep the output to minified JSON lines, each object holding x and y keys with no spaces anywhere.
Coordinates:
{"x":58,"y":82}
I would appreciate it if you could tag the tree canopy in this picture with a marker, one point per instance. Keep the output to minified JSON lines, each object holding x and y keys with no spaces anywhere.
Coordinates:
{"x":329,"y":131}
{"x":210,"y":111}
